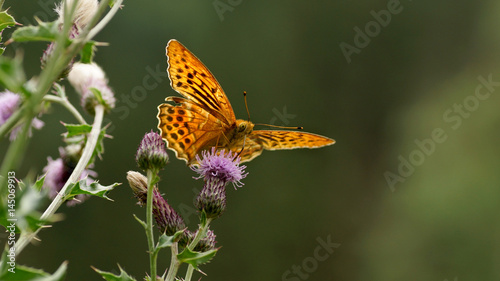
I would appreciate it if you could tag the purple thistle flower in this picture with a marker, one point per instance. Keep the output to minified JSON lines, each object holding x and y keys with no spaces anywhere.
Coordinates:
{"x":151,"y":153}
{"x":58,"y":171}
{"x":167,"y":219}
{"x":9,"y":103}
{"x":217,"y":168}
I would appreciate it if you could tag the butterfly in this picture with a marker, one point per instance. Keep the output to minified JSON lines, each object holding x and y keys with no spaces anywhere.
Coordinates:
{"x":203,"y":117}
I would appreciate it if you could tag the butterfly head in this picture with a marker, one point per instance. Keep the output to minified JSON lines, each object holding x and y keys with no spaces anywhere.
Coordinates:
{"x":243,"y":128}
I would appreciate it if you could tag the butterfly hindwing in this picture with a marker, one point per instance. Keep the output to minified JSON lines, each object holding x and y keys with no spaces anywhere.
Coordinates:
{"x":192,"y":79}
{"x":251,"y":145}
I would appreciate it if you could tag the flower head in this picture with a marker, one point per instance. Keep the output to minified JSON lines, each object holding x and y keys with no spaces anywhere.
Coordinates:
{"x":219,"y":166}
{"x":167,"y":219}
{"x":87,"y":78}
{"x":151,"y":153}
{"x":217,"y":169}
{"x":85,"y":10}
{"x":58,"y":171}
{"x":9,"y":103}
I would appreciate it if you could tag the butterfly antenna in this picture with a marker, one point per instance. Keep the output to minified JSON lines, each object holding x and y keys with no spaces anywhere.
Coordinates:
{"x":246,"y":104}
{"x":281,"y":127}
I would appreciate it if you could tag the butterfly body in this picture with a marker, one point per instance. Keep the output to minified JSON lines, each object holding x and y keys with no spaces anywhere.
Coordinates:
{"x":203,"y":117}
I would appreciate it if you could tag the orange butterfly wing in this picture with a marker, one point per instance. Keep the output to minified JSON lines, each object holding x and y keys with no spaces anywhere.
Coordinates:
{"x":258,"y":140}
{"x":188,"y":128}
{"x":192,"y":79}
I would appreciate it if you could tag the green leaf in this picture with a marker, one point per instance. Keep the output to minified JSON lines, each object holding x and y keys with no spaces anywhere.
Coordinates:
{"x":82,"y":130}
{"x":39,"y":183}
{"x":22,"y":272}
{"x":6,"y":20}
{"x":203,"y":218}
{"x":113,"y":277}
{"x":87,"y":53}
{"x":44,"y":31}
{"x":98,"y":95}
{"x":140,"y":221}
{"x":166,"y":241}
{"x":12,"y":73}
{"x":196,"y":258}
{"x":77,"y":129}
{"x":94,"y":188}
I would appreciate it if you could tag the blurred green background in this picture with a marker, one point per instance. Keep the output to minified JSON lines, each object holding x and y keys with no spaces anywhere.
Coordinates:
{"x":436,"y":220}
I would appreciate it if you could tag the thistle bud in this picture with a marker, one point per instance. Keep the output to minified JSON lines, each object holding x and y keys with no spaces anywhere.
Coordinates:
{"x":151,"y":154}
{"x":207,"y":243}
{"x":90,"y":81}
{"x":167,"y":219}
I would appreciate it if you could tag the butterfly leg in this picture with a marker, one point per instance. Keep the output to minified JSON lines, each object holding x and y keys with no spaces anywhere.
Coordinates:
{"x":242,"y":147}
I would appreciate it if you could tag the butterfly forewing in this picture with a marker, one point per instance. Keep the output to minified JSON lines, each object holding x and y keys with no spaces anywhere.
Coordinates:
{"x":190,"y":78}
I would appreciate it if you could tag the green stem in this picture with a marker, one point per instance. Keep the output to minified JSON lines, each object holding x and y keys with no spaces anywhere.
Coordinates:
{"x":202,"y":232}
{"x":87,"y":153}
{"x":174,"y":263}
{"x":65,"y":102}
{"x":189,"y":273}
{"x":149,"y":224}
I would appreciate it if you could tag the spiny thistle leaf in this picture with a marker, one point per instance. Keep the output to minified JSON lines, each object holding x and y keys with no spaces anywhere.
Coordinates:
{"x":196,"y":258}
{"x":22,"y":272}
{"x":113,"y":277}
{"x":44,"y":31}
{"x":82,"y":187}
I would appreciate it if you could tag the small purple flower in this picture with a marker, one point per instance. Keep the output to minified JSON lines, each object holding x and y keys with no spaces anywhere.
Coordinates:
{"x":217,"y":168}
{"x":151,"y":154}
{"x":9,"y":103}
{"x":167,"y":219}
{"x":58,"y":171}
{"x":56,"y":175}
